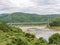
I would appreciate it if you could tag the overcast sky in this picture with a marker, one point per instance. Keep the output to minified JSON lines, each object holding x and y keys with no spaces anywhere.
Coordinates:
{"x":30,"y":6}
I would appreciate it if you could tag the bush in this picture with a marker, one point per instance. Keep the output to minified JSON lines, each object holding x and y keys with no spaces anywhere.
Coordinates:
{"x":20,"y":42}
{"x":5,"y":28}
{"x":54,"y":39}
{"x":41,"y":41}
{"x":30,"y":37}
{"x":56,"y":22}
{"x":8,"y":44}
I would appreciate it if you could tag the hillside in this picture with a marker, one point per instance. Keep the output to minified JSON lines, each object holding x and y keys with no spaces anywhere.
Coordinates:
{"x":25,"y":17}
{"x":14,"y":36}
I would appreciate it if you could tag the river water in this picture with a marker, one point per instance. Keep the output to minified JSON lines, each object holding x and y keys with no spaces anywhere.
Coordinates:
{"x":39,"y":31}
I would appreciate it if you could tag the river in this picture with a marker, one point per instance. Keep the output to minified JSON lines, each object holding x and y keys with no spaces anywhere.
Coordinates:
{"x":39,"y":31}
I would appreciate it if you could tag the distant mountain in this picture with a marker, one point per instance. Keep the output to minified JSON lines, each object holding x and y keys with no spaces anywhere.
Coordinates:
{"x":25,"y":17}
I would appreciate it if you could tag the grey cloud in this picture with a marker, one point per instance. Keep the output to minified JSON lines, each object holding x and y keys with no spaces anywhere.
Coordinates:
{"x":35,"y":6}
{"x":46,"y":2}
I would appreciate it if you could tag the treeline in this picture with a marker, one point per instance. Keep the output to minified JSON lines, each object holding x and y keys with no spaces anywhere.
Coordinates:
{"x":56,"y":22}
{"x":19,"y":17}
{"x":15,"y":36}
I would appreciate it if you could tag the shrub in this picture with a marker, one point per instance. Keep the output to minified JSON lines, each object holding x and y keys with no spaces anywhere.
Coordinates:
{"x":54,"y":39}
{"x":41,"y":41}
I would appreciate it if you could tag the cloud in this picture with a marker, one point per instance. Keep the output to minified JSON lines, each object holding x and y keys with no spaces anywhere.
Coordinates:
{"x":30,"y":6}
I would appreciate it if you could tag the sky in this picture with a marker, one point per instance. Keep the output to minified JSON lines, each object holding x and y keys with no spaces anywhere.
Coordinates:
{"x":30,"y":6}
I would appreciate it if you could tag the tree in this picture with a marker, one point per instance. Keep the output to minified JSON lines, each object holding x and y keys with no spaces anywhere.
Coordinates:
{"x":20,"y":42}
{"x":30,"y":37}
{"x":56,"y":22}
{"x":41,"y":41}
{"x":54,"y":39}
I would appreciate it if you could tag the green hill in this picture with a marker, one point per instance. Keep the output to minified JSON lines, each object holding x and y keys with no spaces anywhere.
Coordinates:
{"x":25,"y":17}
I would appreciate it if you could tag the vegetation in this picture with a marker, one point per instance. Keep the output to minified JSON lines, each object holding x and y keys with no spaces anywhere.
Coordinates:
{"x":19,"y":17}
{"x":14,"y":36}
{"x":55,"y":39}
{"x":56,"y":22}
{"x":41,"y":41}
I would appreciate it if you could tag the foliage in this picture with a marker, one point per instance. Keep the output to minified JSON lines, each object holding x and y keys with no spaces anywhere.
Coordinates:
{"x":41,"y":41}
{"x":14,"y":36}
{"x":29,"y":37}
{"x":56,"y":22}
{"x":4,"y":27}
{"x":19,"y":17}
{"x":54,"y":39}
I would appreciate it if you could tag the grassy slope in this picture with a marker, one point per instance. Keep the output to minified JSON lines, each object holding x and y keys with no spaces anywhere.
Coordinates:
{"x":25,"y":17}
{"x":8,"y":34}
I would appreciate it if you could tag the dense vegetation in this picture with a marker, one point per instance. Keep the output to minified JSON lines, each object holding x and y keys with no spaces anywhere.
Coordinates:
{"x":15,"y":36}
{"x":25,"y":17}
{"x":56,"y":22}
